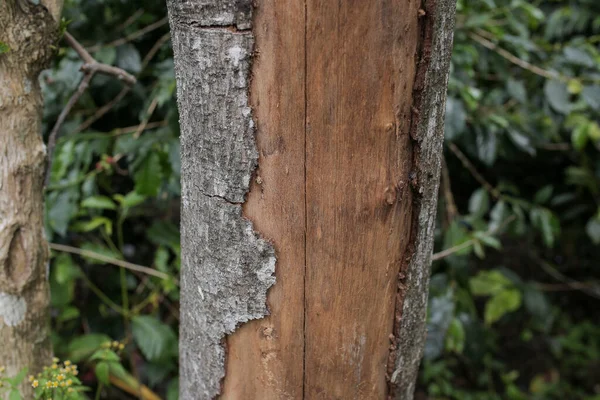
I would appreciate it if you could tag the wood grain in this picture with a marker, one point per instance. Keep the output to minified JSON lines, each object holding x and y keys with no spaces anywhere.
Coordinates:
{"x":361,"y":60}
{"x":274,"y":346}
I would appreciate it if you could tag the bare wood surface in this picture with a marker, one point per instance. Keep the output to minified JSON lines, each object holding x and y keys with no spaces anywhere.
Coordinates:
{"x":360,"y":71}
{"x":274,"y":345}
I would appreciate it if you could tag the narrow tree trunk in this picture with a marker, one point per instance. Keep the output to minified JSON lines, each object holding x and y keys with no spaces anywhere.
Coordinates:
{"x":311,"y":130}
{"x":30,"y":32}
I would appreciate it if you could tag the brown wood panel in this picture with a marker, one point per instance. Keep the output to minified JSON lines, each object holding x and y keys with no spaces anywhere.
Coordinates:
{"x":265,"y":357}
{"x":361,"y":61}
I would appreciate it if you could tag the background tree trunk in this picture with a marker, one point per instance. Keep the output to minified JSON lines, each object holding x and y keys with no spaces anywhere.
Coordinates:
{"x":311,"y":131}
{"x":30,"y":32}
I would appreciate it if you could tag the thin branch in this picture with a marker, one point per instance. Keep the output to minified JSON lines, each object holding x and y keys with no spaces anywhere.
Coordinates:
{"x":102,"y":110}
{"x":451,"y":209}
{"x":514,"y":59}
{"x":108,"y":106}
{"x":109,"y":260}
{"x":61,"y":119}
{"x":149,"y":113}
{"x":471,"y":168}
{"x":559,"y":276}
{"x":468,"y":243}
{"x":89,"y":68}
{"x":133,"y":35}
{"x":159,"y":43}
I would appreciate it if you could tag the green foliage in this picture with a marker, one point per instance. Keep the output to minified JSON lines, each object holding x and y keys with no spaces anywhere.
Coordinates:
{"x":522,"y":138}
{"x":113,"y":196}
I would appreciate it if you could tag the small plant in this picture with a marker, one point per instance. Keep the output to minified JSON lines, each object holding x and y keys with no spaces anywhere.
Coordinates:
{"x":58,"y":382}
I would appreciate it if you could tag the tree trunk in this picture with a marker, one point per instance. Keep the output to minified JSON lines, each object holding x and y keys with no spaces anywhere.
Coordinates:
{"x":30,"y":32}
{"x":311,"y":140}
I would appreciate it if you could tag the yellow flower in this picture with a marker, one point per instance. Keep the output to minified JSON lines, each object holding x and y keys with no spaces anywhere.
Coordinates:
{"x":48,"y":384}
{"x":62,"y":384}
{"x":35,"y":383}
{"x":67,"y":363}
{"x":75,"y":372}
{"x":54,"y":366}
{"x":55,"y":360}
{"x":1,"y":384}
{"x":2,"y":369}
{"x":121,"y":346}
{"x":31,"y":378}
{"x":54,"y":384}
{"x":60,"y":377}
{"x":70,"y":390}
{"x":106,"y":345}
{"x":69,"y":382}
{"x":115,"y":344}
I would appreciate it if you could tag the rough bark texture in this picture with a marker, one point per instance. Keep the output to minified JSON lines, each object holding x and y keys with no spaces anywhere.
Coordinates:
{"x":348,"y":99}
{"x":428,"y":127}
{"x":226,"y":268}
{"x":30,"y":32}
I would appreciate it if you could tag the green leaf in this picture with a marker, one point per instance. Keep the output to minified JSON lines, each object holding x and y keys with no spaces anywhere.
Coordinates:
{"x":522,"y":141}
{"x":488,"y":240}
{"x":488,"y":283}
{"x":102,"y":372}
{"x":82,"y":347}
{"x":456,"y":119}
{"x":592,"y":228}
{"x":578,"y":57}
{"x":106,"y":55}
{"x":19,"y":377}
{"x":154,"y":338}
{"x":478,"y":249}
{"x":131,"y":199}
{"x":148,"y":176}
{"x":101,"y":202}
{"x":68,"y":314}
{"x":479,"y":203}
{"x":543,"y":195}
{"x":501,"y":304}
{"x":558,"y":96}
{"x":105,"y":355}
{"x":536,"y":303}
{"x":173,"y":389}
{"x":14,"y":395}
{"x":591,"y":95}
{"x":65,"y":269}
{"x":455,"y":337}
{"x":4,"y":48}
{"x":128,"y":58}
{"x":94,"y":223}
{"x":547,"y":223}
{"x":579,"y":137}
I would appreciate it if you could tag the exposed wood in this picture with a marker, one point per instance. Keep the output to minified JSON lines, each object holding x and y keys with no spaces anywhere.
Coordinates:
{"x":360,"y":72}
{"x":30,"y":32}
{"x":274,"y":346}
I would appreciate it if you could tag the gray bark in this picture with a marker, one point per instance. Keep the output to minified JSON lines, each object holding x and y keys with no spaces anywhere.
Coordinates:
{"x":429,"y":141}
{"x":226,"y":268}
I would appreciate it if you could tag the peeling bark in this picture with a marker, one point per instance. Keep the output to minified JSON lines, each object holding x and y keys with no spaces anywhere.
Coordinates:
{"x":226,"y":268}
{"x":31,"y":32}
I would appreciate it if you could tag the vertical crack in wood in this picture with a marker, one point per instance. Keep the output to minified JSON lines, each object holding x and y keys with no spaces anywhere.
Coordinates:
{"x":304,"y":327}
{"x":227,"y":268}
{"x":429,"y":99}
